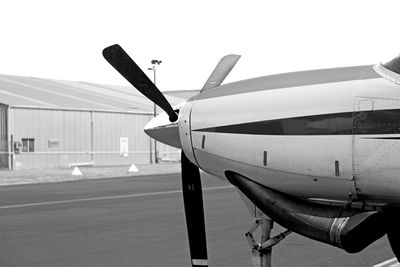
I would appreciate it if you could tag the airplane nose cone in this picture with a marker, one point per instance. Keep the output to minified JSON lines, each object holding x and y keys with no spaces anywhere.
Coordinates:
{"x":164,"y":131}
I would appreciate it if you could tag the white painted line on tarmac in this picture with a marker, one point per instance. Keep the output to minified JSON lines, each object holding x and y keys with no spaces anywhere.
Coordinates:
{"x":389,"y":263}
{"x":105,"y":198}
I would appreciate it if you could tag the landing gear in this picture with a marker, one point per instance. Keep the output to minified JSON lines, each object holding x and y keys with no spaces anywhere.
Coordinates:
{"x":262,"y":252}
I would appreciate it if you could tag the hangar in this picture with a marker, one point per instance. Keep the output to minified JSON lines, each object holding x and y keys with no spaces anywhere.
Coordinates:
{"x":51,"y":124}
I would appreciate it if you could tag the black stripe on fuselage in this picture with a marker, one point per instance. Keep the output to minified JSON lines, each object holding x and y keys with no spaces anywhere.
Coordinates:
{"x":347,"y":123}
{"x":293,"y":79}
{"x":384,"y":138}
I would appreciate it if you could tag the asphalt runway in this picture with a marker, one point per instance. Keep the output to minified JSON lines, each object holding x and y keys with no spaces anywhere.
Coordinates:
{"x":139,"y":221}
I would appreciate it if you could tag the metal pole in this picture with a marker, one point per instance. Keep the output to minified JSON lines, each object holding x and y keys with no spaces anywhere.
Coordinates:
{"x":154,"y":62}
{"x":155,"y":114}
{"x":151,"y":151}
{"x":154,"y":74}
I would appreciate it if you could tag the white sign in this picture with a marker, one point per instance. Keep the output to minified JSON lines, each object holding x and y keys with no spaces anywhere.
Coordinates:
{"x":123,"y":146}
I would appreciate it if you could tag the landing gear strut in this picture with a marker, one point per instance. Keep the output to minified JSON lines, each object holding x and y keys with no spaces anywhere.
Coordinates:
{"x":262,"y":252}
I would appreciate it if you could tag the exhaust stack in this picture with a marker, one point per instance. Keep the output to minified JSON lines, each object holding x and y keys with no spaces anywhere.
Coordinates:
{"x":347,"y":228}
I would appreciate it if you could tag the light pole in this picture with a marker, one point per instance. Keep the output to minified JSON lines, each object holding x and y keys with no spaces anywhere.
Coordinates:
{"x":155,"y":62}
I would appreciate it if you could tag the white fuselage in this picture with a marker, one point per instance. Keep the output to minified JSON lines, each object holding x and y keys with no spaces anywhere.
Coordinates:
{"x":309,"y":140}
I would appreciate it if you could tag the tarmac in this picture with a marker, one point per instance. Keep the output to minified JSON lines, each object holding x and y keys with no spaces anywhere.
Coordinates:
{"x":17,"y":177}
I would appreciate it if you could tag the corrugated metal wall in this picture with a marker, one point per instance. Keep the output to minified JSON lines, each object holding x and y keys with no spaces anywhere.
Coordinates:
{"x":70,"y":128}
{"x":3,"y":137}
{"x":110,"y":127}
{"x":62,"y":137}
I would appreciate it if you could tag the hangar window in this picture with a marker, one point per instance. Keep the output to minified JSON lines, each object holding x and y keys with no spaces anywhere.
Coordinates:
{"x":28,"y":144}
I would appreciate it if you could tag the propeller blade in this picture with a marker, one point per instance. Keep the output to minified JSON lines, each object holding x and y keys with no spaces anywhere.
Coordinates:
{"x":194,"y":211}
{"x":220,"y":72}
{"x":121,"y":61}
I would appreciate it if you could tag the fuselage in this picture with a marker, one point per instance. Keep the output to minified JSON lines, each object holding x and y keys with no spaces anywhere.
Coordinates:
{"x":326,"y":134}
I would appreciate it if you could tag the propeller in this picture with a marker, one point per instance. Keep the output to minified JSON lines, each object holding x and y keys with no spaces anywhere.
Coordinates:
{"x":193,"y":202}
{"x":122,"y":62}
{"x":191,"y":182}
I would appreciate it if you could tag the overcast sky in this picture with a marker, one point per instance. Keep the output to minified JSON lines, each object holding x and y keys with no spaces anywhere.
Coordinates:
{"x":64,"y":39}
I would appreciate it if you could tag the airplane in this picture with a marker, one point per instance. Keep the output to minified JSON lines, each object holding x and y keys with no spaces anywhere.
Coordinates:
{"x":315,"y":151}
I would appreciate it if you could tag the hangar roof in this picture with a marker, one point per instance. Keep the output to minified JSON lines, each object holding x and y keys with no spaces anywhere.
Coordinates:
{"x":38,"y":92}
